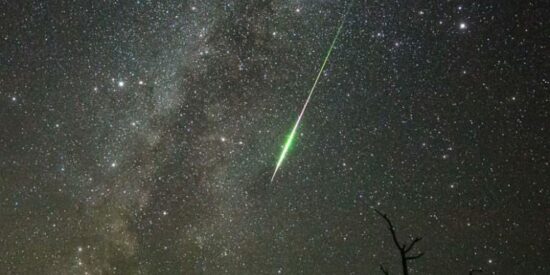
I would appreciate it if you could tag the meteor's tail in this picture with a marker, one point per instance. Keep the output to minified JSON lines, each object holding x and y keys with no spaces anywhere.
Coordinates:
{"x":290,"y":139}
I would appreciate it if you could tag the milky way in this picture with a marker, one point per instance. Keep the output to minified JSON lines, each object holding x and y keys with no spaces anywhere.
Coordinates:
{"x":139,"y":137}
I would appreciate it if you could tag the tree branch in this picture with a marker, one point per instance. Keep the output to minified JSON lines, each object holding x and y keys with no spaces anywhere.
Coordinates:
{"x":477,"y":270}
{"x":415,"y":256}
{"x":412,"y":244}
{"x":392,"y":229}
{"x":383,"y":269}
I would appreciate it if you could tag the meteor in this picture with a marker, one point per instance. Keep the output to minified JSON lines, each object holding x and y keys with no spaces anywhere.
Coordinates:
{"x":290,"y":138}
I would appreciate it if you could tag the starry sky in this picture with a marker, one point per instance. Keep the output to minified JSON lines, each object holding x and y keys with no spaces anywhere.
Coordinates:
{"x":139,"y":137}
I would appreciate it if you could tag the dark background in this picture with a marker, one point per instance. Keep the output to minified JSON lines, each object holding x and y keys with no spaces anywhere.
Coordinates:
{"x":140,"y":136}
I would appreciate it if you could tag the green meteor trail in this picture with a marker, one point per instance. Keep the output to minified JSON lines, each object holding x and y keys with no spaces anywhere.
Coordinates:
{"x":290,"y":138}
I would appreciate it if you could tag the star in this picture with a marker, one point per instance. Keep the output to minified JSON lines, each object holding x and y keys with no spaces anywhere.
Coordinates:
{"x":141,"y":137}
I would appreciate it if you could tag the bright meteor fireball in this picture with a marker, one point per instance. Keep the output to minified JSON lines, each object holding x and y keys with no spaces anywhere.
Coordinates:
{"x":292,"y":136}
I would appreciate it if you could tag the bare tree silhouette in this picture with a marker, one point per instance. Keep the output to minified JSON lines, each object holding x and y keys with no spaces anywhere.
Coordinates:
{"x":404,"y":248}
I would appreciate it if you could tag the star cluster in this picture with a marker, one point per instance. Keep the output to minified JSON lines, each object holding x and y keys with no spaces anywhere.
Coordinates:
{"x":139,"y":137}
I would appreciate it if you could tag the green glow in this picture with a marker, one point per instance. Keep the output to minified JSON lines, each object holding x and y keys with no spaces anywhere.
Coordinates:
{"x":286,"y":148}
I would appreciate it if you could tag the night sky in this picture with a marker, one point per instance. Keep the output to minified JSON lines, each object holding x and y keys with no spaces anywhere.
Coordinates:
{"x":139,"y":137}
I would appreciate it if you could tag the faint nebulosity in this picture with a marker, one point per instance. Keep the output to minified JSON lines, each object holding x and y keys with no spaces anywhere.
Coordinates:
{"x":139,"y":137}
